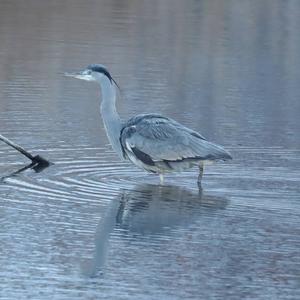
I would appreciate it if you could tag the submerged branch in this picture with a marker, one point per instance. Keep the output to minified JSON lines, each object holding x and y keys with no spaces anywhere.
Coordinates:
{"x":38,"y":162}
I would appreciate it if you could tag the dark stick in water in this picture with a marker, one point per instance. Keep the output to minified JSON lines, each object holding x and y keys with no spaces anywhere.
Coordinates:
{"x":42,"y":162}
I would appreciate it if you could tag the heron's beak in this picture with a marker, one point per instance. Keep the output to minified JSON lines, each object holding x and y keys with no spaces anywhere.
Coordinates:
{"x":80,"y":75}
{"x":75,"y":75}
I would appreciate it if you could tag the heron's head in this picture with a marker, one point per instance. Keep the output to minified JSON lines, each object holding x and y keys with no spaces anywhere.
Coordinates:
{"x":92,"y":73}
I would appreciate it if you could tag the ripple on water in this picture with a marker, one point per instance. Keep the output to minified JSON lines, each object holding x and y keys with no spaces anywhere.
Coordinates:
{"x":88,"y":171}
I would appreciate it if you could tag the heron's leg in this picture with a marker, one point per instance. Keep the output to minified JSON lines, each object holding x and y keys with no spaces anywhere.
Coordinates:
{"x":201,"y":168}
{"x":161,"y":177}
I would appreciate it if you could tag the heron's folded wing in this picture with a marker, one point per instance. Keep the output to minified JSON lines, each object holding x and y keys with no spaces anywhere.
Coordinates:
{"x":165,"y":139}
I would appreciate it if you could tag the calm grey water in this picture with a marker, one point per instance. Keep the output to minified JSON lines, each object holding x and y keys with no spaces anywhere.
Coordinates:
{"x":91,"y":227}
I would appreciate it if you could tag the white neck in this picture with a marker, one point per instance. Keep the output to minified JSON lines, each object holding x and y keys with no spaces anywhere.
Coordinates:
{"x":111,"y":119}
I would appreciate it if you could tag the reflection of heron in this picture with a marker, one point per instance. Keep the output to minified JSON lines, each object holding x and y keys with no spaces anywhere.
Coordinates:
{"x":152,"y":142}
{"x":150,"y":210}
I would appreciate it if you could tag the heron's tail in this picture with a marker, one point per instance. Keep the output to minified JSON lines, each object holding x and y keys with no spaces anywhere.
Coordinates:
{"x":217,"y":152}
{"x":210,"y":151}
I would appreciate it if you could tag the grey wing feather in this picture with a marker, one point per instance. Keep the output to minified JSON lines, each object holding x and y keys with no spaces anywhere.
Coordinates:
{"x":161,"y":138}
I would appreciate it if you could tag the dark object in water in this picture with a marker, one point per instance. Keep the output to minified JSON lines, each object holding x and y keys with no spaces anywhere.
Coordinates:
{"x":38,"y":163}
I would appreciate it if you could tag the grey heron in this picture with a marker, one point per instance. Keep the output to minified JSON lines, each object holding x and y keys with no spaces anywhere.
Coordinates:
{"x":152,"y":142}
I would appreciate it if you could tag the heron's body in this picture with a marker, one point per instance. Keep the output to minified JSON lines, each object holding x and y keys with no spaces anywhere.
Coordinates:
{"x":161,"y":145}
{"x":152,"y":142}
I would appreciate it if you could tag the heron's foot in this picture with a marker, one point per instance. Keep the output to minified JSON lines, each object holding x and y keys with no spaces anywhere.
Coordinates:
{"x":199,"y":181}
{"x":199,"y":185}
{"x":161,"y":178}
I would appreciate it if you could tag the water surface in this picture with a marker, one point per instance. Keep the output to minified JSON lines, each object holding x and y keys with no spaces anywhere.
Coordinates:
{"x":92,"y":227}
